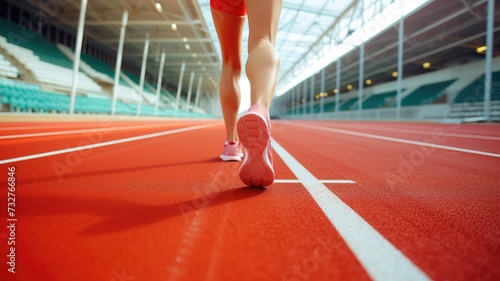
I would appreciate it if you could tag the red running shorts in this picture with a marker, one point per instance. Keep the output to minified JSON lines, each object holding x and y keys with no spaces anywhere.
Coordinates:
{"x":232,"y":7}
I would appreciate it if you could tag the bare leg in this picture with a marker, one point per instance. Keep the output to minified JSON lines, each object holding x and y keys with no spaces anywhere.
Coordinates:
{"x":262,"y":67}
{"x":229,"y":29}
{"x":263,"y":60}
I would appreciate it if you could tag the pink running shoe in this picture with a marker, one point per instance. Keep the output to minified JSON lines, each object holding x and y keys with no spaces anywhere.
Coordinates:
{"x":254,"y":132}
{"x":232,"y":152}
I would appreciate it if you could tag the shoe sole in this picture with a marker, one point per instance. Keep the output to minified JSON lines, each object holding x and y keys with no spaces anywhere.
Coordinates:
{"x":230,"y":158}
{"x":253,"y":133}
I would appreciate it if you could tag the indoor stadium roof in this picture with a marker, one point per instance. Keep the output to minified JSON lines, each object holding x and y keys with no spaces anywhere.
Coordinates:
{"x":194,"y":40}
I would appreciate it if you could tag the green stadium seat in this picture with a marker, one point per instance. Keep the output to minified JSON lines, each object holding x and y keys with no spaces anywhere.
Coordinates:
{"x":426,"y":94}
{"x":474,"y":92}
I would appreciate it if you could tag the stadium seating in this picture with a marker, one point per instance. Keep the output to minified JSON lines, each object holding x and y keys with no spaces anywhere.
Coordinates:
{"x":426,"y":94}
{"x":41,"y":57}
{"x":7,"y":69}
{"x":379,"y":100}
{"x":28,"y":39}
{"x":328,"y":107}
{"x":24,"y":97}
{"x":147,"y":94}
{"x":50,"y":66}
{"x":348,"y":104}
{"x":474,"y":92}
{"x":48,"y":73}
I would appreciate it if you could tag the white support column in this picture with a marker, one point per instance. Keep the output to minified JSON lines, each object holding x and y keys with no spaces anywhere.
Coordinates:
{"x":311,"y":97}
{"x":119,"y":61}
{"x":284,"y":104}
{"x":179,"y":88}
{"x":198,"y":92}
{"x":489,"y":55}
{"x":298,"y":94}
{"x":143,"y":73}
{"x":322,"y":89}
{"x":78,"y":52}
{"x":337,"y":85}
{"x":400,"y":64}
{"x":215,"y":102}
{"x":160,"y":78}
{"x":361,"y":78}
{"x":304,"y":96}
{"x":190,"y":90}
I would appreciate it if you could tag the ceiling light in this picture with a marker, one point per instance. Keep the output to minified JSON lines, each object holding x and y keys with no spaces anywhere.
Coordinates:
{"x":335,"y":91}
{"x":174,"y":26}
{"x":426,"y":65}
{"x":188,"y":47}
{"x":317,"y":97}
{"x":158,"y":7}
{"x":368,"y":82}
{"x":349,"y":87}
{"x":394,"y":74}
{"x":184,"y":39}
{"x":194,"y":55}
{"x":199,"y":62}
{"x":481,"y":50}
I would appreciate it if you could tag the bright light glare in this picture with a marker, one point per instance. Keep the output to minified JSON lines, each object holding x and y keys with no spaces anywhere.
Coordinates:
{"x":245,"y":95}
{"x":481,"y":50}
{"x":158,"y":7}
{"x":370,"y":29}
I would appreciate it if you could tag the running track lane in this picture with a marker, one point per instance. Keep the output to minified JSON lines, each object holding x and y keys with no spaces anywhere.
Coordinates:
{"x":138,"y":210}
{"x":57,"y":136}
{"x":166,"y":208}
{"x":438,"y":206}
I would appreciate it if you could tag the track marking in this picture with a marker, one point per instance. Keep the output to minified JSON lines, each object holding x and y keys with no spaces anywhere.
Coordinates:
{"x":322,"y":181}
{"x":377,"y":255}
{"x":11,"y":128}
{"x":418,"y":132}
{"x":119,"y":141}
{"x":365,"y":135}
{"x":90,"y":130}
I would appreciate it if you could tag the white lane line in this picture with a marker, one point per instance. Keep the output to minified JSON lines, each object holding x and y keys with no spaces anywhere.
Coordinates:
{"x":323,"y":181}
{"x":365,"y":135}
{"x":418,"y":132}
{"x":11,"y":128}
{"x":68,"y":125}
{"x":378,"y":256}
{"x":90,"y":130}
{"x":113,"y":142}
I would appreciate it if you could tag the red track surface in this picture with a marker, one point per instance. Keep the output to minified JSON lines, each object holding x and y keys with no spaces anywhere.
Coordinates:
{"x":166,"y":207}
